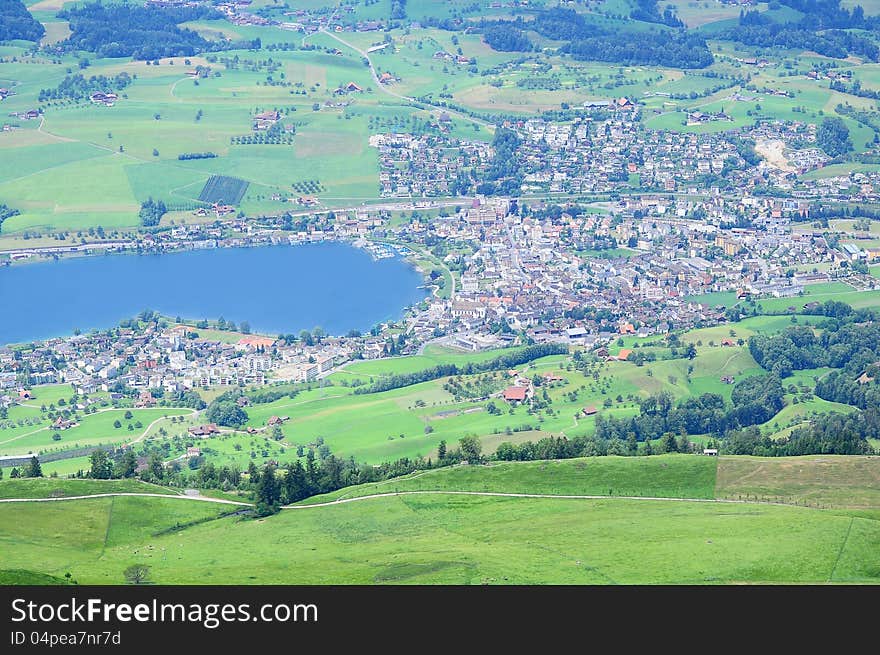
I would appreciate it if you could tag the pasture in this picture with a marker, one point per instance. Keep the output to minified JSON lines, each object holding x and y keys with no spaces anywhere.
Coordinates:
{"x":437,"y":539}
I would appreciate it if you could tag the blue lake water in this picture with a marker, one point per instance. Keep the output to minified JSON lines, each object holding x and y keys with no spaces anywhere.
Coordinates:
{"x":277,"y":289}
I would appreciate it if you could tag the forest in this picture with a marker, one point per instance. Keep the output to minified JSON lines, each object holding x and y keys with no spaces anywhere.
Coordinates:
{"x":138,"y":32}
{"x":821,"y":30}
{"x":16,"y":22}
{"x":589,"y":42}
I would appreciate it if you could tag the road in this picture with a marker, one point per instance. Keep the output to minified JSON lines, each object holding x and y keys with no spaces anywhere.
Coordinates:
{"x":342,"y":501}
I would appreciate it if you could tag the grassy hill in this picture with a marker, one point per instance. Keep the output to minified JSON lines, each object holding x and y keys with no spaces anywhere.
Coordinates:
{"x":673,"y":476}
{"x":422,"y":539}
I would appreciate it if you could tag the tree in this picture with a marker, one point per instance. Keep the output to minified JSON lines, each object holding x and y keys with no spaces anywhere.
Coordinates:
{"x":441,"y":450}
{"x":101,"y":468}
{"x":127,"y":465}
{"x":14,"y":473}
{"x":34,"y":470}
{"x":669,"y":443}
{"x":136,"y":574}
{"x":295,"y":486}
{"x":471,"y":449}
{"x":268,"y":492}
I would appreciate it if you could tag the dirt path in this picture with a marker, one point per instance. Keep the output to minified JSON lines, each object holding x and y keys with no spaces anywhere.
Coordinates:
{"x":498,"y":494}
{"x":341,"y":501}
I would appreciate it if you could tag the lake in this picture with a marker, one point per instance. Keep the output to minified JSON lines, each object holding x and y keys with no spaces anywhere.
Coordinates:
{"x":277,"y":289}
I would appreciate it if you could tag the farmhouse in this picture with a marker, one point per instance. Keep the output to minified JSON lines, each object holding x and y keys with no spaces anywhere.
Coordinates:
{"x":351,"y":87}
{"x":193,"y":451}
{"x":62,"y":424}
{"x":277,"y":420}
{"x":265,"y":120}
{"x":222,"y":210}
{"x":387,"y":78}
{"x":204,"y":430}
{"x":516,"y":394}
{"x":108,"y":99}
{"x":590,"y":411}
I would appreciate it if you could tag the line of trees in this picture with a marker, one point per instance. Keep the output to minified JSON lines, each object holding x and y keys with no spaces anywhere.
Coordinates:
{"x":185,"y":156}
{"x":509,"y":360}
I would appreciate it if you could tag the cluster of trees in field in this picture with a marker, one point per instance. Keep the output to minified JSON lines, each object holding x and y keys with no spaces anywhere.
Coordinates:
{"x":506,"y":361}
{"x":121,"y":30}
{"x":185,"y":156}
{"x":504,"y":174}
{"x":309,"y":186}
{"x":398,"y":9}
{"x":225,"y":411}
{"x":16,"y":22}
{"x":33,"y":469}
{"x":151,"y":212}
{"x":78,"y":87}
{"x":821,"y":29}
{"x":755,"y":399}
{"x":832,"y":136}
{"x":506,"y":38}
{"x":828,"y":434}
{"x":647,"y":11}
{"x":590,"y":41}
{"x":6,"y":212}
{"x":849,"y":337}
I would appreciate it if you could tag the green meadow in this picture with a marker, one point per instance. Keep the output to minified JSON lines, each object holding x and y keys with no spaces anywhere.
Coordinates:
{"x":459,"y":539}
